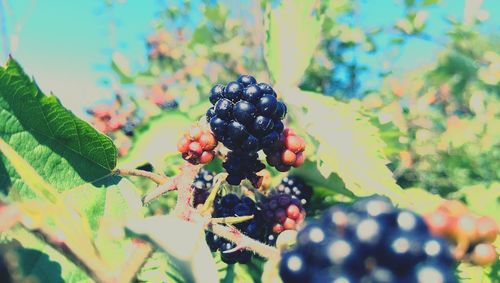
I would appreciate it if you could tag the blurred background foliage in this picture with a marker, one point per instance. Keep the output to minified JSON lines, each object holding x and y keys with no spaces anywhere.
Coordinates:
{"x":440,"y":121}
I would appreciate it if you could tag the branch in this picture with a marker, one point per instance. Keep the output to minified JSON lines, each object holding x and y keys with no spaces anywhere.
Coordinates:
{"x":183,"y":207}
{"x":135,"y":261}
{"x":184,"y":179}
{"x":232,"y":234}
{"x":158,"y":179}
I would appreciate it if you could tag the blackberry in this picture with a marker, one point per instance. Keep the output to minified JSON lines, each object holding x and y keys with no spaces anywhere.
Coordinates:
{"x":232,"y":205}
{"x":297,"y":188}
{"x":246,"y":117}
{"x":243,"y":165}
{"x":244,"y":113}
{"x":282,"y":212}
{"x":370,"y":241}
{"x":202,"y":185}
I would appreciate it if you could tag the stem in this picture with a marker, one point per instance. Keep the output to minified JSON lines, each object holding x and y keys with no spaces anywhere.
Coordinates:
{"x":185,"y":180}
{"x":158,"y":179}
{"x":157,"y":192}
{"x":232,"y":234}
{"x":231,"y":219}
{"x":135,"y":261}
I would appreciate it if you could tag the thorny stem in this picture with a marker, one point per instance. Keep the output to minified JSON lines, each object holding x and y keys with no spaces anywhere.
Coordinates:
{"x":183,"y":209}
{"x":243,"y":241}
{"x":158,"y":179}
{"x":157,"y":192}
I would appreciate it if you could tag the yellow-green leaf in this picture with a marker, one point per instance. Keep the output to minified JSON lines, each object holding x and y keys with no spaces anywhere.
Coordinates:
{"x":294,"y":30}
{"x":347,"y":144}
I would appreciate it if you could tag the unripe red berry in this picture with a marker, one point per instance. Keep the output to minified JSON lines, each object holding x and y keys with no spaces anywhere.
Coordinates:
{"x":293,"y":212}
{"x":300,"y":158}
{"x":277,"y":228}
{"x":465,"y":226}
{"x":294,"y":143}
{"x":289,"y":132}
{"x":483,"y":254}
{"x":438,"y":222}
{"x":288,"y":157}
{"x":289,"y":224}
{"x":487,"y":229}
{"x":195,"y":133}
{"x":183,"y":145}
{"x":195,"y":148}
{"x":206,"y":157}
{"x":207,"y":141}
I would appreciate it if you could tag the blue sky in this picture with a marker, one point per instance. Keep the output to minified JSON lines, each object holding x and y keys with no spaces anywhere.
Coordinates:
{"x":67,"y":45}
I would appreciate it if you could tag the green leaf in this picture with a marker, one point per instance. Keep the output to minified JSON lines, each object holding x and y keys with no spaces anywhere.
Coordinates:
{"x":477,"y":274}
{"x":346,"y":144}
{"x":294,"y":31}
{"x":63,"y":149}
{"x":183,"y":241}
{"x":106,"y":206}
{"x":157,"y":140}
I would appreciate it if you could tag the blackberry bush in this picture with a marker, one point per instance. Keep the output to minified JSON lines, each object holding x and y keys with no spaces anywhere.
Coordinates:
{"x":370,"y":241}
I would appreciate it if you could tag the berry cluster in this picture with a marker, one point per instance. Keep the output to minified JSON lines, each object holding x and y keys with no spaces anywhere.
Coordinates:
{"x":246,"y":117}
{"x":197,"y":146}
{"x":288,"y":152}
{"x":282,"y":212}
{"x":371,"y":241}
{"x":472,"y":236}
{"x":297,"y":188}
{"x":243,"y":165}
{"x":232,"y":205}
{"x":117,"y":120}
{"x":202,"y":185}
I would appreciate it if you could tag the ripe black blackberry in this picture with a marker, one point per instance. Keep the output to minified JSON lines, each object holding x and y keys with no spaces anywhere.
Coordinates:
{"x":297,"y":188}
{"x":202,"y":185}
{"x":245,"y":115}
{"x":243,"y":165}
{"x":370,"y":241}
{"x":232,"y":205}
